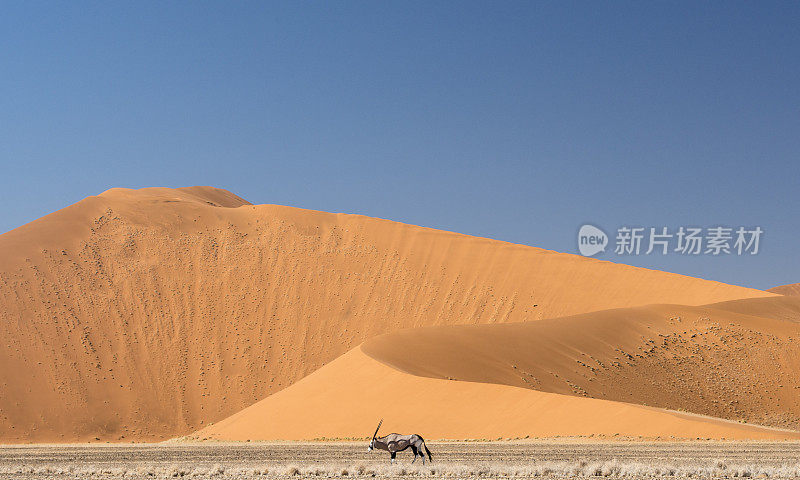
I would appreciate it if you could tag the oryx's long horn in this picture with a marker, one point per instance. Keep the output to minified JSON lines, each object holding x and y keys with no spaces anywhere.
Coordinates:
{"x":379,"y":427}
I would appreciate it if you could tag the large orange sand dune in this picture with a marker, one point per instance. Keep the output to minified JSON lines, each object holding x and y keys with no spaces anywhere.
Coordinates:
{"x":145,"y":314}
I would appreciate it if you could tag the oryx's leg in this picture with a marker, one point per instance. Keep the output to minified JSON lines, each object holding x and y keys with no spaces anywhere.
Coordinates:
{"x":394,"y":454}
{"x":414,"y":449}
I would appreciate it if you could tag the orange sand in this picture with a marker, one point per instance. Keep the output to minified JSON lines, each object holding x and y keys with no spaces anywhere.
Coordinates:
{"x":347,"y":397}
{"x":737,"y":360}
{"x":793,"y":289}
{"x":146,"y":314}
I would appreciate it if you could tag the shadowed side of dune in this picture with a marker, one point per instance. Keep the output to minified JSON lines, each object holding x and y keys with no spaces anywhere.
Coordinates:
{"x":737,"y":360}
{"x":791,"y":289}
{"x":346,"y":398}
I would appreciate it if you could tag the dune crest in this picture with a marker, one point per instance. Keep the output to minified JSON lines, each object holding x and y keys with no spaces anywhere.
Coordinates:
{"x":215,"y":197}
{"x":146,"y":314}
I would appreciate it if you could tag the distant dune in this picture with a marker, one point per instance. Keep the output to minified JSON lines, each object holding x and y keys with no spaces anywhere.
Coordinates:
{"x":146,"y":314}
{"x":793,"y":289}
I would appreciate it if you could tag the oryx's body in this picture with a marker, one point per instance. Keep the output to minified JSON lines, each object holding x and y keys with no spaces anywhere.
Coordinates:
{"x":394,"y":442}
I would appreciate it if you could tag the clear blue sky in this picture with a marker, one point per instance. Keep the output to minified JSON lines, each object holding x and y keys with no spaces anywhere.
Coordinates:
{"x":516,"y":121}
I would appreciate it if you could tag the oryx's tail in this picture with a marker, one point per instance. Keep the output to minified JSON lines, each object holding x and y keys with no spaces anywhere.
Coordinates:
{"x":430,"y":459}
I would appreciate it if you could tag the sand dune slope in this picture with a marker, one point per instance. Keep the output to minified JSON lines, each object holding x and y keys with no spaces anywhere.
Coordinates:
{"x":738,"y":360}
{"x":145,"y":314}
{"x":348,"y":396}
{"x":792,"y":289}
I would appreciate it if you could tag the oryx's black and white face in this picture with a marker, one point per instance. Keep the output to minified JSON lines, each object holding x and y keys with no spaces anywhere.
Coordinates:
{"x":371,"y":445}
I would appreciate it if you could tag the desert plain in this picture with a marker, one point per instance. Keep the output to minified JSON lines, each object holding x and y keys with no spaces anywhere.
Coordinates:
{"x":186,"y":332}
{"x":559,"y":458}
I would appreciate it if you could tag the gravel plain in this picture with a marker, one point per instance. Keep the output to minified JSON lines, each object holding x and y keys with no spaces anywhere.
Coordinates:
{"x":528,"y":459}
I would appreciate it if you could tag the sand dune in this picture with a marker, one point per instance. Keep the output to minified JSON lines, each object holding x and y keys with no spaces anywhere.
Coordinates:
{"x":737,"y":360}
{"x":145,"y":314}
{"x":346,"y":397}
{"x":792,"y":289}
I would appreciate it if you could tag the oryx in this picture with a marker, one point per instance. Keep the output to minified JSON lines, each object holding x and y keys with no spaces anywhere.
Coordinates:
{"x":394,"y":442}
